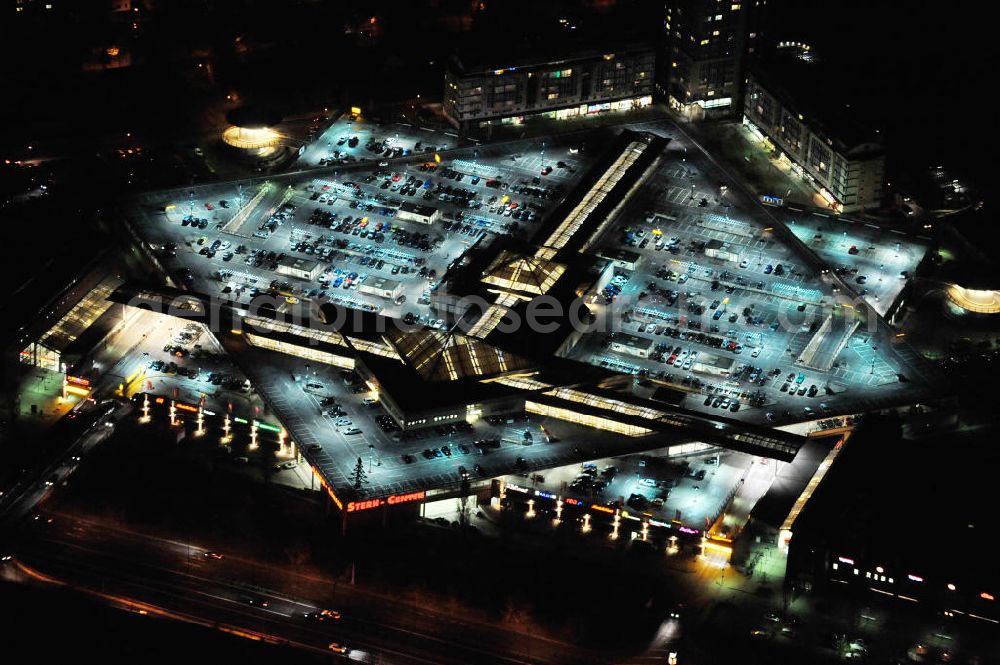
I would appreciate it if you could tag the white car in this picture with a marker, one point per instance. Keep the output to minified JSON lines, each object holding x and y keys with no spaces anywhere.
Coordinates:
{"x":344,"y":422}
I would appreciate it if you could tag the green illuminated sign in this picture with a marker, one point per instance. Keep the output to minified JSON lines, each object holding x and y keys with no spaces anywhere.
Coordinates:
{"x":267,"y":427}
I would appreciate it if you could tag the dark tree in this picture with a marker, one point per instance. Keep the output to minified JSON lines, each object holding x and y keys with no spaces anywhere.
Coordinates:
{"x":359,"y":474}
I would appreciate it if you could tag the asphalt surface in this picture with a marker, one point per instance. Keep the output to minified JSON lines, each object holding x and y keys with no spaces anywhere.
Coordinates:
{"x":158,"y":218}
{"x":181,"y":581}
{"x":691,"y":199}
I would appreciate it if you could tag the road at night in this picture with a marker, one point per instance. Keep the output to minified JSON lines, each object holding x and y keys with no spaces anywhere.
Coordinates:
{"x":166,"y":577}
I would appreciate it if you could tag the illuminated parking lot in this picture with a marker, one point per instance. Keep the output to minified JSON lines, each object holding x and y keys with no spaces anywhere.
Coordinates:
{"x":875,"y":262}
{"x":716,"y":306}
{"x":722,"y":327}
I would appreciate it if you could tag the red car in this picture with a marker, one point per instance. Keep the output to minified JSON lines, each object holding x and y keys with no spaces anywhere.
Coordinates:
{"x":546,"y":170}
{"x":209,"y":206}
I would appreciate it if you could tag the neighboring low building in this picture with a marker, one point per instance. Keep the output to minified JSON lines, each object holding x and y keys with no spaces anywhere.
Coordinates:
{"x":582,"y":82}
{"x":65,"y":342}
{"x":632,"y":345}
{"x":380,"y":287}
{"x":717,"y":249}
{"x":708,"y":363}
{"x":789,"y":107}
{"x":414,"y":212}
{"x":294,"y":266}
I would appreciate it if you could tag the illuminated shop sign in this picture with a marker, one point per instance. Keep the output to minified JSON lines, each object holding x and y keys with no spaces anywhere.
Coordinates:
{"x":75,"y":385}
{"x":267,"y":427}
{"x":604,"y":509}
{"x":329,"y":491}
{"x":518,"y":488}
{"x":687,"y":529}
{"x":573,"y":502}
{"x":405,"y":498}
{"x":355,"y":506}
{"x":546,"y":495}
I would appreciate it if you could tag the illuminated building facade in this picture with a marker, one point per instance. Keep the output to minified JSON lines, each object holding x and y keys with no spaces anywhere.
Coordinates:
{"x":77,"y":331}
{"x":580,"y":83}
{"x":425,"y":377}
{"x":845,"y":163}
{"x":706,"y":47}
{"x":961,"y":301}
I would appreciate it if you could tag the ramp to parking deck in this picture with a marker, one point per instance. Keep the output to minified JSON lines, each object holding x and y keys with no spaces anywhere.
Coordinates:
{"x":826,"y":344}
{"x":234,"y":223}
{"x":475,"y":168}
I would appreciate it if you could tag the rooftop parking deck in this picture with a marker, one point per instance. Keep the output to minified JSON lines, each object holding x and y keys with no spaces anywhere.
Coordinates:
{"x":706,"y":295}
{"x":229,"y":239}
{"x":712,"y":279}
{"x":875,"y":261}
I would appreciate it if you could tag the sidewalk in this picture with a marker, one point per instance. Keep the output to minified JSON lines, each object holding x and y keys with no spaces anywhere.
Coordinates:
{"x":742,"y":153}
{"x":42,"y":390}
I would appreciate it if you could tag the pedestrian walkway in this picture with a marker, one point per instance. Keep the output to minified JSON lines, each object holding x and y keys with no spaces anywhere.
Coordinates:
{"x":40,"y":398}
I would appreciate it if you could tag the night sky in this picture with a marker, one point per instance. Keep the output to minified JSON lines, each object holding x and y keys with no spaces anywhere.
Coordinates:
{"x":920,"y":70}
